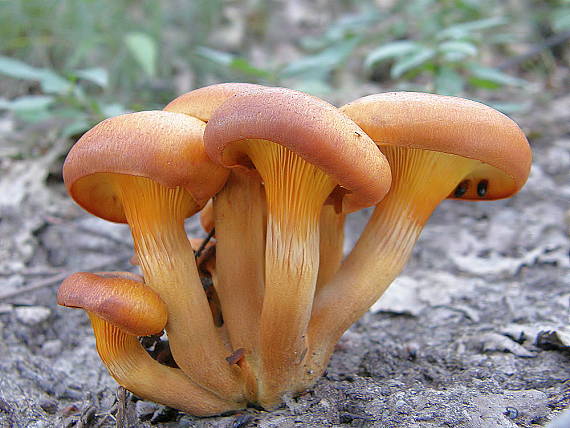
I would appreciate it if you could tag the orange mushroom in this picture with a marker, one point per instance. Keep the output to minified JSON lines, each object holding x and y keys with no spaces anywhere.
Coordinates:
{"x":238,"y":214}
{"x":305,"y":152}
{"x":437,"y":147}
{"x":120,"y":309}
{"x":149,"y":170}
{"x":202,"y":102}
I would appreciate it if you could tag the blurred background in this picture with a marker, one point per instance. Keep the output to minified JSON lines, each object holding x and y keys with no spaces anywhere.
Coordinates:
{"x":71,"y":63}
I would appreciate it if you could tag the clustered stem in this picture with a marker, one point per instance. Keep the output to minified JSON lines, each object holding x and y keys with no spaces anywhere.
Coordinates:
{"x":240,"y":228}
{"x":295,"y":192}
{"x":421,"y":179}
{"x":167,"y":261}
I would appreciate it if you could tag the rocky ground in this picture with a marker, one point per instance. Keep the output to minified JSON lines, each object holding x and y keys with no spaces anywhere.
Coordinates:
{"x":474,"y":333}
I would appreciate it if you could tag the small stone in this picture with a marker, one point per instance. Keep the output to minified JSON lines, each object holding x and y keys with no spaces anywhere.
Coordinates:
{"x":558,"y":339}
{"x":145,"y":410}
{"x":494,"y":342}
{"x":52,"y":348}
{"x":164,"y":414}
{"x":399,"y":405}
{"x":400,"y":298}
{"x":32,"y":315}
{"x":557,"y":159}
{"x":49,"y":406}
{"x":511,"y":413}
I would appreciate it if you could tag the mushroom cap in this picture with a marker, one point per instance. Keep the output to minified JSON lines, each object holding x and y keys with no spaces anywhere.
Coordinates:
{"x":120,"y":298}
{"x":313,"y":129}
{"x":163,"y":146}
{"x":451,"y":125}
{"x":201,"y":103}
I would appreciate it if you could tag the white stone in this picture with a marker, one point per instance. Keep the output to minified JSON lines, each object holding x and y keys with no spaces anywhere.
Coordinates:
{"x":32,"y":315}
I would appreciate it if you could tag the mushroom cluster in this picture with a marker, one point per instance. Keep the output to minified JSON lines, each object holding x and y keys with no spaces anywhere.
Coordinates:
{"x":255,"y":314}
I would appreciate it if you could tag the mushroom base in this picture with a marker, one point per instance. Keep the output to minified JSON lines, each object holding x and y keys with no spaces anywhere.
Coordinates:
{"x":131,"y":366}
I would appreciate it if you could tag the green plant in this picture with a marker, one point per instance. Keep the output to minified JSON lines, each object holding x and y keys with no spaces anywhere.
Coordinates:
{"x":450,"y":56}
{"x":68,"y":97}
{"x":447,"y":48}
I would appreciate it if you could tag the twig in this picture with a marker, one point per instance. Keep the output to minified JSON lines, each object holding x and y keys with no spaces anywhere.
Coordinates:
{"x":57,"y":278}
{"x":204,"y":243}
{"x":120,"y":416}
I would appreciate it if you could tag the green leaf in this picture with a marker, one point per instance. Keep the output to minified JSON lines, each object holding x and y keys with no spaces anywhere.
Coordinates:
{"x":98,"y":76}
{"x":482,"y":83}
{"x":321,"y":63}
{"x":318,"y":88}
{"x":217,"y":57}
{"x":143,"y":49}
{"x":244,"y":66}
{"x":33,"y":116}
{"x":457,"y":50}
{"x":345,"y":27}
{"x":78,"y":126}
{"x":464,"y":29}
{"x":51,"y":82}
{"x":561,"y":19}
{"x":510,"y":108}
{"x":27,"y":103}
{"x":408,"y":63}
{"x":114,"y":109}
{"x":19,"y":70}
{"x":229,"y":61}
{"x":448,"y":81}
{"x":494,"y":76}
{"x":391,"y":50}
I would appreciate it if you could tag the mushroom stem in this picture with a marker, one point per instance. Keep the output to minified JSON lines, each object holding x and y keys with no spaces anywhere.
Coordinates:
{"x":331,"y":243}
{"x":421,"y":179}
{"x":295,"y":192}
{"x":239,"y":210}
{"x":156,"y":216}
{"x":132,"y":367}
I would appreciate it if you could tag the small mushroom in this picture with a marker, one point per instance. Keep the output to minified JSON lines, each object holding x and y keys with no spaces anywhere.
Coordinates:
{"x":201,"y":103}
{"x":149,"y":170}
{"x":437,"y":147}
{"x":304,"y":151}
{"x":121,"y":308}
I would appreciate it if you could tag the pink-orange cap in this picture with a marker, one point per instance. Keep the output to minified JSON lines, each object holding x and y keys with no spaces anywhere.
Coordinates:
{"x":313,"y":129}
{"x":201,"y":103}
{"x":118,"y":298}
{"x":450,"y":125}
{"x":162,"y":146}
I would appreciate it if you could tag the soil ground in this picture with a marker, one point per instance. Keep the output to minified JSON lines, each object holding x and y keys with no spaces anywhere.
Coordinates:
{"x":474,"y":333}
